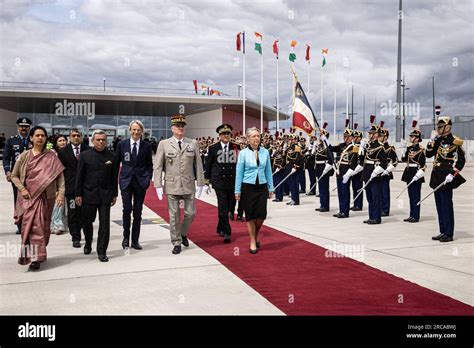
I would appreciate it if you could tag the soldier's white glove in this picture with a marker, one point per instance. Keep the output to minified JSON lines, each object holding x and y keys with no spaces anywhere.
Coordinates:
{"x":434,"y":135}
{"x":358,"y":169}
{"x":376,"y":172}
{"x":388,"y":170}
{"x":207,"y":189}
{"x":449,"y":178}
{"x":347,"y":176}
{"x":323,"y":138}
{"x":159,"y":192}
{"x":419,"y":174}
{"x":313,"y":151}
{"x":293,"y":170}
{"x":199,"y":191}
{"x":277,"y":170}
{"x":404,"y":143}
{"x":327,"y":168}
{"x":363,"y":142}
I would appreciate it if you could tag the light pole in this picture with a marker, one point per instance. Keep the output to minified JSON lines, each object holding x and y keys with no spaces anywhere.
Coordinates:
{"x":104,"y":83}
{"x":404,"y":88}
{"x":239,"y":86}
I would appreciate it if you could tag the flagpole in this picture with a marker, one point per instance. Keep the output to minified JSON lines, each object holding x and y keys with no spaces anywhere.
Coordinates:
{"x":335,"y":96}
{"x":243,"y":82}
{"x":309,"y":63}
{"x":322,"y":98}
{"x":278,"y":98}
{"x":261,"y":90}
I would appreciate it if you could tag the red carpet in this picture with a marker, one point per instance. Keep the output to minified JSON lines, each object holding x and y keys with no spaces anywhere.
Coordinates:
{"x":295,"y":276}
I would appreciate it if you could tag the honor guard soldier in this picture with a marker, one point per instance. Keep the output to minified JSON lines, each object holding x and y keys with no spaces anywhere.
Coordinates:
{"x":278,"y":162}
{"x":374,"y":160}
{"x":301,"y":173}
{"x":310,"y":165}
{"x":13,"y":148}
{"x":346,"y":163}
{"x":220,"y":172}
{"x":448,"y":161}
{"x":294,"y":163}
{"x":414,"y":173}
{"x":324,"y":169}
{"x":356,"y":177}
{"x":387,"y":175}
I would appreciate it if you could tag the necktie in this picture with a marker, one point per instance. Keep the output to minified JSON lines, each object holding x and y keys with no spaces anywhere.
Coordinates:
{"x":179,"y":143}
{"x":134,"y":151}
{"x":77,"y":152}
{"x":225,"y":148}
{"x":24,"y":143}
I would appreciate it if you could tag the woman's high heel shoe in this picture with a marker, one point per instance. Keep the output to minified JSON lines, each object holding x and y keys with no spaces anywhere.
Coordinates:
{"x":258,"y":245}
{"x":252,"y":251}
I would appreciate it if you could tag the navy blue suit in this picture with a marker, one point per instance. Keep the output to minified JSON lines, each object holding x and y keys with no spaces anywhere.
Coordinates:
{"x":135,"y":177}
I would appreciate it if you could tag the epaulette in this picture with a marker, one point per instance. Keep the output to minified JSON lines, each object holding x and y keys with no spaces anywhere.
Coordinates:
{"x":297,"y":148}
{"x":355,"y":149}
{"x":458,"y":141}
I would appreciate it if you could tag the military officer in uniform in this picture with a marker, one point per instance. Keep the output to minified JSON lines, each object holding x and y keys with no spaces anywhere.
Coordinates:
{"x":356,"y":177}
{"x":346,"y":160}
{"x":310,"y":165}
{"x":324,"y":169}
{"x":373,"y":159}
{"x":414,"y":173}
{"x":12,"y":150}
{"x":387,"y":175}
{"x":179,"y":159}
{"x":278,"y":164}
{"x":448,"y":161}
{"x":220,"y":172}
{"x":294,"y":163}
{"x":301,"y":173}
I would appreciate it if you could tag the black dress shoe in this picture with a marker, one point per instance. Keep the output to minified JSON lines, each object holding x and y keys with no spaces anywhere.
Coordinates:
{"x":385,"y":214}
{"x":87,"y":249}
{"x":103,"y":258}
{"x":35,"y":265}
{"x":438,"y":237}
{"x":311,"y":194}
{"x":336,"y":215}
{"x":185,"y":241}
{"x":317,"y":209}
{"x":366,"y":221}
{"x":176,"y":249}
{"x":252,"y":251}
{"x":413,"y":220}
{"x":125,"y":243}
{"x":407,"y":219}
{"x":258,"y":245}
{"x":356,"y":209}
{"x":374,"y":222}
{"x":227,"y":238}
{"x":342,"y":216}
{"x":76,"y":244}
{"x":446,"y":238}
{"x":18,"y":231}
{"x":323,"y":210}
{"x":277,"y":200}
{"x":137,"y":246}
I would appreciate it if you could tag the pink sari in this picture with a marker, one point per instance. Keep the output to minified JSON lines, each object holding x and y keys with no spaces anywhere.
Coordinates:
{"x":34,"y":214}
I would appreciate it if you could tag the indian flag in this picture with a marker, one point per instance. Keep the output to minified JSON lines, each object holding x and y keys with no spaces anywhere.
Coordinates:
{"x":324,"y":52}
{"x":292,"y":56}
{"x":258,"y":42}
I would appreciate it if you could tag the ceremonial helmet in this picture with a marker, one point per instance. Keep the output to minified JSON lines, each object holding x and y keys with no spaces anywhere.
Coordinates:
{"x":356,"y":132}
{"x":444,"y":121}
{"x":373,"y":128}
{"x":347,"y":131}
{"x":324,"y":131}
{"x":415,"y":132}
{"x":383,"y":131}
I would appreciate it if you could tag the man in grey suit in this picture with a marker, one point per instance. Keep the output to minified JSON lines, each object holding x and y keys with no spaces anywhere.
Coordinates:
{"x":179,"y":158}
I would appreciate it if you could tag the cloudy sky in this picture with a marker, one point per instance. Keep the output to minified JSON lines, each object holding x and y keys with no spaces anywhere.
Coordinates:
{"x":167,"y":44}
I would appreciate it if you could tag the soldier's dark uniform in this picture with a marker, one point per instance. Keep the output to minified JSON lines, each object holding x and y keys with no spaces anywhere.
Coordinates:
{"x":310,"y":167}
{"x":385,"y":178}
{"x":374,"y":160}
{"x":356,"y":179}
{"x":278,"y":162}
{"x":415,"y":159}
{"x":14,"y":146}
{"x":301,"y":173}
{"x":323,"y":160}
{"x":346,"y":159}
{"x":294,"y":160}
{"x":449,"y":159}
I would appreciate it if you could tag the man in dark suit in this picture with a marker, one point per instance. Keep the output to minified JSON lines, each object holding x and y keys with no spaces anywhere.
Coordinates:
{"x":97,"y":189}
{"x":220,"y":172}
{"x":69,"y":157}
{"x":13,"y":148}
{"x":137,"y":170}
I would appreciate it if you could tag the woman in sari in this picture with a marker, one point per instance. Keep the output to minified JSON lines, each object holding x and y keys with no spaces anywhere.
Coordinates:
{"x":59,"y":218}
{"x":38,"y":175}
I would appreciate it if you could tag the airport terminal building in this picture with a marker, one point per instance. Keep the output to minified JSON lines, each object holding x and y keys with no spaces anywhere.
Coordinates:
{"x":60,"y":110}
